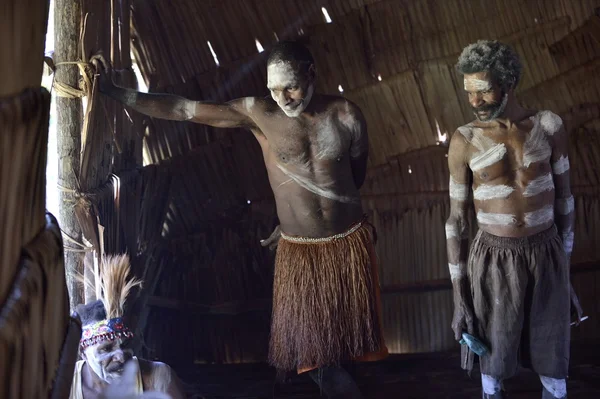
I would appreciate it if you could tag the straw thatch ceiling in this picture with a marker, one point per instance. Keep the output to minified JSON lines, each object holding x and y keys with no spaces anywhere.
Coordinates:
{"x":411,"y":44}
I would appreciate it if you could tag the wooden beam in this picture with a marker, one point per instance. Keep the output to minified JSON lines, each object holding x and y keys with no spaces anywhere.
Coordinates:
{"x":67,"y":19}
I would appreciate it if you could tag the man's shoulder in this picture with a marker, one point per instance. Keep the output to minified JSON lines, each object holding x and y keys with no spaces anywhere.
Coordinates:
{"x":344,"y":110}
{"x":156,"y":375}
{"x":151,"y":369}
{"x":549,"y":121}
{"x":152,"y":364}
{"x":466,"y":131}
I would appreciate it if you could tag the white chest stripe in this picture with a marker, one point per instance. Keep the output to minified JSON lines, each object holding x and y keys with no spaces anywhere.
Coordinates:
{"x":491,"y":191}
{"x":539,"y":185}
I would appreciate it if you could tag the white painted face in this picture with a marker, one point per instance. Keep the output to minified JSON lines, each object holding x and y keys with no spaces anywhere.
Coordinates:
{"x":488,"y":102}
{"x":108,"y":358}
{"x":472,"y":84}
{"x":285,"y":84}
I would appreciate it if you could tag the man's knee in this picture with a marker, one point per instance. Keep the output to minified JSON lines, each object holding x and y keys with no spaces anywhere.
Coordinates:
{"x":555,"y":387}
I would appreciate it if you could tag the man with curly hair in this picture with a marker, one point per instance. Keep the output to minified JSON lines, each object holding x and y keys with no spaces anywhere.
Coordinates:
{"x":512,"y":289}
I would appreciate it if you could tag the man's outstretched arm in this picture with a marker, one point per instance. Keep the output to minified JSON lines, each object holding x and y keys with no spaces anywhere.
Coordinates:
{"x":232,"y":114}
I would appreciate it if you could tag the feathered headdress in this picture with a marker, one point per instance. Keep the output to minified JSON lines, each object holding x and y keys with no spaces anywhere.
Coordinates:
{"x":112,"y":289}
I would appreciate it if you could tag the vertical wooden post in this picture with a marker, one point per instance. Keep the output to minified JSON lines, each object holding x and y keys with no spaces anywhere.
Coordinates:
{"x":67,"y":20}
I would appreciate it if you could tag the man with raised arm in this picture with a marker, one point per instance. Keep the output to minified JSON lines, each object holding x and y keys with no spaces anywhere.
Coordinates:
{"x":326,"y":291}
{"x":512,"y":290}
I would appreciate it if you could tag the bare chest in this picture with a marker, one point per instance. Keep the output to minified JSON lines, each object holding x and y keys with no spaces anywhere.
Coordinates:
{"x":516,"y":154}
{"x":299,"y":143}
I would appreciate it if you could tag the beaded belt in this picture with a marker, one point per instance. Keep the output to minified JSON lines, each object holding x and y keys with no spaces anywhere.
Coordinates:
{"x":310,"y":240}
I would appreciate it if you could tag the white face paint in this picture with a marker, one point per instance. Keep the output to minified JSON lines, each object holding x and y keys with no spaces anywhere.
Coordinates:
{"x":489,"y":153}
{"x":539,"y":185}
{"x":536,"y":147}
{"x":458,"y":191}
{"x":556,"y":387}
{"x":540,"y":217}
{"x":476,"y":85}
{"x":456,"y":270}
{"x":561,"y":166}
{"x":550,"y":122}
{"x":488,"y":191}
{"x":490,"y":385}
{"x":564,"y":206}
{"x":282,"y":76}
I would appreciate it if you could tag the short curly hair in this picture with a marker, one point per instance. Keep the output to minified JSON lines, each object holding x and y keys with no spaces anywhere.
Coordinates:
{"x":288,"y":51}
{"x":499,"y":59}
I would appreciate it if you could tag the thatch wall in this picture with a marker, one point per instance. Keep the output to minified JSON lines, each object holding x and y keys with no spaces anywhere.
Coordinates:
{"x":37,"y":350}
{"x":187,"y":218}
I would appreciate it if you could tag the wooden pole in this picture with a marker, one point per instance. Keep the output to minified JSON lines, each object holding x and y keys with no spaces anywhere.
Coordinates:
{"x":67,"y":19}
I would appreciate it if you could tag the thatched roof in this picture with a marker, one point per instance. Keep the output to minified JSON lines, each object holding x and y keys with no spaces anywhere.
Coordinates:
{"x":412,"y":45}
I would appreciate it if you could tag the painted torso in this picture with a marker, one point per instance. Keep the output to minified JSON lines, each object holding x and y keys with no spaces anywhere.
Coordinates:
{"x":308,"y":164}
{"x":513,"y":189}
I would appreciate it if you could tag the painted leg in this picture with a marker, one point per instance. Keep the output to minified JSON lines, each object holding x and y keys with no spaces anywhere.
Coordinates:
{"x":553,"y":388}
{"x":335,"y":382}
{"x":492,"y":387}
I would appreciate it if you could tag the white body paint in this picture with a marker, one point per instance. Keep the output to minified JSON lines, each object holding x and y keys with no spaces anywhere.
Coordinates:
{"x":558,"y":388}
{"x":489,"y":157}
{"x":282,"y":75}
{"x":539,"y":217}
{"x":489,"y":153}
{"x":539,"y":185}
{"x":466,"y":132}
{"x":249,"y":103}
{"x":561,"y":166}
{"x":451,"y":231}
{"x":476,"y":85}
{"x":536,"y":147}
{"x":550,"y":122}
{"x":189,"y":110}
{"x":329,"y":142}
{"x":358,"y":144}
{"x":564,"y":206}
{"x":458,"y":191}
{"x":321,"y":190}
{"x":502,"y":219}
{"x":488,"y":192}
{"x":567,"y":239}
{"x":490,"y":385}
{"x":456,"y":270}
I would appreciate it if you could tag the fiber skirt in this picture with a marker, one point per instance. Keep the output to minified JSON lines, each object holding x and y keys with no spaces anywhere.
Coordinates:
{"x":326,"y":301}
